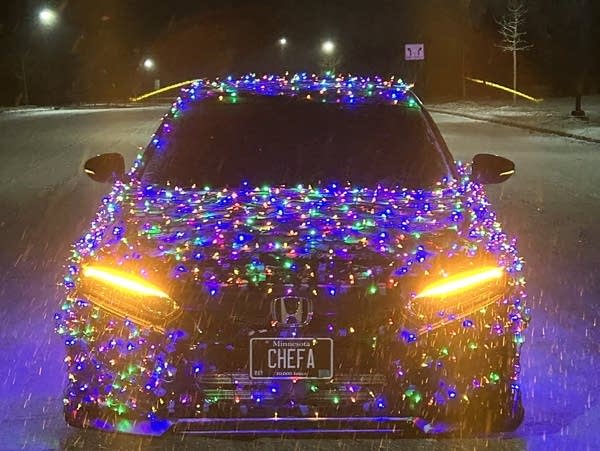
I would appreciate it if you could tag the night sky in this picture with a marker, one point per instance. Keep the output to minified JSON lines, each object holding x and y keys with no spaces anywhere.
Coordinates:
{"x":94,"y":52}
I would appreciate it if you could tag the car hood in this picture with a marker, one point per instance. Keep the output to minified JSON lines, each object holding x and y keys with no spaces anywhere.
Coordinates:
{"x":323,"y":238}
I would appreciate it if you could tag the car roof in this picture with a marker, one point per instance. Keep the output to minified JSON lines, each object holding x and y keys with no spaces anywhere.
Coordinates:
{"x":341,"y":89}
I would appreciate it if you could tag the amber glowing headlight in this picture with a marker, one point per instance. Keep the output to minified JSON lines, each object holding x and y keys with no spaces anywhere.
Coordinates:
{"x":458,"y":295}
{"x":461,"y":282}
{"x":128,"y":296}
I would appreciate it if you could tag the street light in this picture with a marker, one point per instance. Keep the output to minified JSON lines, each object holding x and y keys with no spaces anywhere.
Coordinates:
{"x":282,"y":53}
{"x":48,"y":17}
{"x":328,"y":47}
{"x":149,"y":64}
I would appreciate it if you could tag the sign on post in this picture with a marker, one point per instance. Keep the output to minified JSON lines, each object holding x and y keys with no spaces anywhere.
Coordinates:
{"x":414,"y":52}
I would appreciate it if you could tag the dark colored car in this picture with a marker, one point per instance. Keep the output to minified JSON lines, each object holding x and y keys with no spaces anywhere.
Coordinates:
{"x":295,"y":256}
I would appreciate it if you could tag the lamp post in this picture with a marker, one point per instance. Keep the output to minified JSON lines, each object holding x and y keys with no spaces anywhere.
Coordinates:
{"x":282,"y":42}
{"x":149,"y":65}
{"x":330,"y":58}
{"x":47,"y":19}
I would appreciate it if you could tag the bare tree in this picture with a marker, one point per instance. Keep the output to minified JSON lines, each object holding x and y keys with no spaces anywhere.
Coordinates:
{"x":513,"y":37}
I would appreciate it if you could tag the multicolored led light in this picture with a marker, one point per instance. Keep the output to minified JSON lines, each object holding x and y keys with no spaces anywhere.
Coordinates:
{"x":321,"y":240}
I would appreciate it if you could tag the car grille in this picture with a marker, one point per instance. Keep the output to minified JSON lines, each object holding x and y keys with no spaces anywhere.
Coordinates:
{"x":339,"y":426}
{"x":240,"y":387}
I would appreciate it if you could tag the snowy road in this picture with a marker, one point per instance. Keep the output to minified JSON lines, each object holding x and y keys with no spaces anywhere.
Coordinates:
{"x":552,"y":204}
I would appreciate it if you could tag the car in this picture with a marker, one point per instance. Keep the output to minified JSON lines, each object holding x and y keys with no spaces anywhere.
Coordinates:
{"x":293,"y":256}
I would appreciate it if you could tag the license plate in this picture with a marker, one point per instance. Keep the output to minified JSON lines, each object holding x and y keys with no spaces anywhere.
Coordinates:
{"x":291,"y":358}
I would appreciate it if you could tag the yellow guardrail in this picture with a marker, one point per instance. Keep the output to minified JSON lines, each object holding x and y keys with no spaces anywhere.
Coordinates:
{"x":161,"y":90}
{"x":474,"y":80}
{"x":503,"y":88}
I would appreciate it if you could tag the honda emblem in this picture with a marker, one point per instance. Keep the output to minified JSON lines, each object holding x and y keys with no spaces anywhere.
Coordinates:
{"x":291,"y":311}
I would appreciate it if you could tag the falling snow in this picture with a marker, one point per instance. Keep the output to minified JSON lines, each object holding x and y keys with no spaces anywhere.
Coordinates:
{"x":552,"y":204}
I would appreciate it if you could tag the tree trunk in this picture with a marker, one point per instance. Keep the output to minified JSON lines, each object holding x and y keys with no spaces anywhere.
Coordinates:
{"x":25,"y":86}
{"x":514,"y":77}
{"x":462,"y":70}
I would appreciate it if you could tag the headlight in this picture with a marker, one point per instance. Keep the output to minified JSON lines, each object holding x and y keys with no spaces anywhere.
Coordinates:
{"x":128,"y":296}
{"x":458,"y":295}
{"x":461,"y":282}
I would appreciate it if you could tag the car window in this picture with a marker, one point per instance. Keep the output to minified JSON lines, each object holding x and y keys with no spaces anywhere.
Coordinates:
{"x":282,"y":140}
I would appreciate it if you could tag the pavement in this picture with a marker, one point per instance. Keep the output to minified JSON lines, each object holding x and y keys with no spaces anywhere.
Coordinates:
{"x":551,"y":116}
{"x":84,"y":106}
{"x":552,"y":204}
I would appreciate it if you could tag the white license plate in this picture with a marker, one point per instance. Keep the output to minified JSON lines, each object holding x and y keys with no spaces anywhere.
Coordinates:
{"x":291,"y":358}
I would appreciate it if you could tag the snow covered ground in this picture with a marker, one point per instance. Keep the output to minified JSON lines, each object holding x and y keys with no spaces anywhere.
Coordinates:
{"x":552,"y":204}
{"x":553,"y":114}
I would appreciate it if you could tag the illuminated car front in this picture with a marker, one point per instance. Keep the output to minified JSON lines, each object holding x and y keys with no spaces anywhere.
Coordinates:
{"x":293,"y":309}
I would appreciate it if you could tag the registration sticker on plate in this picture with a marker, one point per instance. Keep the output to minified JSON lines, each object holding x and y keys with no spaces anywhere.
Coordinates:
{"x":291,"y":358}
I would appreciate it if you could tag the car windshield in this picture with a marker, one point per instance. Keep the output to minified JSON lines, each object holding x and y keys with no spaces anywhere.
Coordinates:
{"x":282,"y":140}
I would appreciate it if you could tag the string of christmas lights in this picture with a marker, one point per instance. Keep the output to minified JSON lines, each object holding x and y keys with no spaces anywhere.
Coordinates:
{"x":324,"y":240}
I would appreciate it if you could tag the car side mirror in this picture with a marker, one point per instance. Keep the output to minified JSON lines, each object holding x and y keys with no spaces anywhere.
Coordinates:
{"x":490,"y":169}
{"x":107,"y":167}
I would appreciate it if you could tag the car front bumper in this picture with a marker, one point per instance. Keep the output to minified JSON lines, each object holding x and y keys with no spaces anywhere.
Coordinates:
{"x":123,"y":378}
{"x":265,"y":427}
